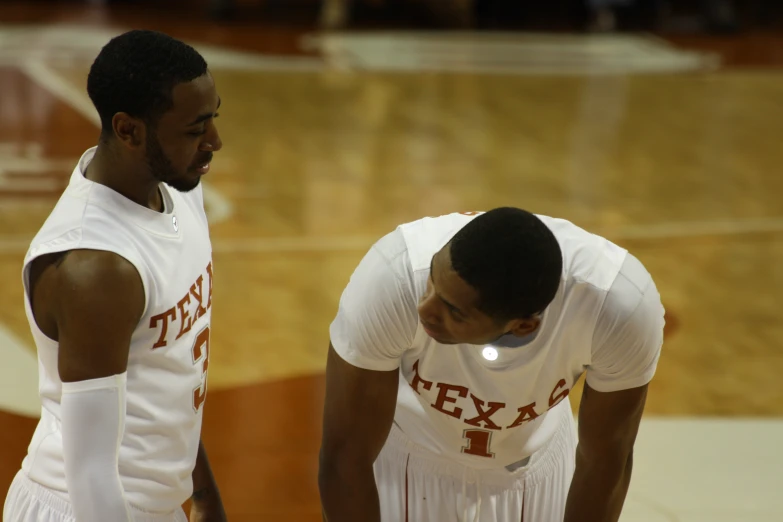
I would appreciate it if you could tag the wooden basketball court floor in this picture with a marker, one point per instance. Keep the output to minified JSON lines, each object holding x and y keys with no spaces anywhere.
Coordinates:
{"x":330,"y":141}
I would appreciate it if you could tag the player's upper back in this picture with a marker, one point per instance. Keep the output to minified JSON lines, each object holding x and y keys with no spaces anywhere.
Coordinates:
{"x":587,"y":258}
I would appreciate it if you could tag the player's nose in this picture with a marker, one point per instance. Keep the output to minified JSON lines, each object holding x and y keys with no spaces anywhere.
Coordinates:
{"x":217,"y":143}
{"x":428,"y":310}
{"x":212,"y":141}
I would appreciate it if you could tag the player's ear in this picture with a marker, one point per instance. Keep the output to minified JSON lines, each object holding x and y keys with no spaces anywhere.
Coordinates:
{"x":130,"y":131}
{"x":523,"y":327}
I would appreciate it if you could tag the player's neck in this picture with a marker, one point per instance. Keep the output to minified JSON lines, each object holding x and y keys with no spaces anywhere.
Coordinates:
{"x":108,"y":169}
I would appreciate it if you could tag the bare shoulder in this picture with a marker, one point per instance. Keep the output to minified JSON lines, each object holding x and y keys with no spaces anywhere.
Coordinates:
{"x":99,"y":302}
{"x":97,"y":268}
{"x":92,"y":280}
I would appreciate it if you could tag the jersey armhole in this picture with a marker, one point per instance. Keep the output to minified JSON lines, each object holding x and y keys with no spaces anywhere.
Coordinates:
{"x":60,"y":248}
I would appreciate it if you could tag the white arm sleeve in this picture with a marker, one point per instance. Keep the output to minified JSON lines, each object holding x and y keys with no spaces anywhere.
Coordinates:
{"x":377,"y":317}
{"x":93,"y":422}
{"x":629,"y":333}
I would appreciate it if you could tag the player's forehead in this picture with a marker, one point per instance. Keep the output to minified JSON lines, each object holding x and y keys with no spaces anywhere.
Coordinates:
{"x":192,"y":99}
{"x":449,"y":285}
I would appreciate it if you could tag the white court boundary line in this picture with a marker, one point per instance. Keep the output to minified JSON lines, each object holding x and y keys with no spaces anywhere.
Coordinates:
{"x":271,"y":245}
{"x":18,"y":376}
{"x":67,"y":44}
{"x":220,"y":208}
{"x":506,"y":53}
{"x":660,"y":231}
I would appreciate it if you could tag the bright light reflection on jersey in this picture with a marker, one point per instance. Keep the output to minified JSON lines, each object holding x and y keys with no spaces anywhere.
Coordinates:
{"x":489,"y":353}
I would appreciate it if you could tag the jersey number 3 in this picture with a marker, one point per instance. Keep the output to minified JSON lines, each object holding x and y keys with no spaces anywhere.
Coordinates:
{"x":201,"y":351}
{"x":478,"y":443}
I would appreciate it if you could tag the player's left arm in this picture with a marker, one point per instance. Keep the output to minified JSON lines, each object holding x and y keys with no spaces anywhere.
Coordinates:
{"x":207,"y":505}
{"x":626,"y":347}
{"x":608,"y":423}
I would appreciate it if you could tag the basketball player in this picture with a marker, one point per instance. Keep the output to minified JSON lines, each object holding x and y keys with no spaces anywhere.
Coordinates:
{"x":455,"y":346}
{"x":118,"y":287}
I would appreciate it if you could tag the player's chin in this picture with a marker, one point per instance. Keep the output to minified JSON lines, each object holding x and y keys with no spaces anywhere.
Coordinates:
{"x":186,"y":184}
{"x":442,"y":340}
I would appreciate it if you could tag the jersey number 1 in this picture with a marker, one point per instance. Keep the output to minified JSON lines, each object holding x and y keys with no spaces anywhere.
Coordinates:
{"x":478,"y":443}
{"x":201,"y":350}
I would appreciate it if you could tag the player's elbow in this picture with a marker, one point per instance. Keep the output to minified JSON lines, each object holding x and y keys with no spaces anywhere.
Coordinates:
{"x":604,"y":456}
{"x":341,"y":465}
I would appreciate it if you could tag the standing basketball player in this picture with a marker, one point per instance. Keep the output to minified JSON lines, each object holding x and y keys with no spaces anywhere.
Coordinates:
{"x":455,"y":346}
{"x":118,"y":287}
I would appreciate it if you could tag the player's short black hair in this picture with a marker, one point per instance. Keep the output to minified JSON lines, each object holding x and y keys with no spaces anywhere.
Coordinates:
{"x":136,"y":72}
{"x":512,"y":259}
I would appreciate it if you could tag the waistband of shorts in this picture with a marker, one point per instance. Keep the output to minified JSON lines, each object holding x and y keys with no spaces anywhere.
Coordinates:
{"x":63,"y":507}
{"x":541,"y":464}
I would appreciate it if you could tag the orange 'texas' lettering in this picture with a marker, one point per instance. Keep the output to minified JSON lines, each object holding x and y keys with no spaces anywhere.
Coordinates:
{"x":198,"y":294}
{"x":209,"y":272}
{"x":484,"y":410}
{"x":554,"y":401}
{"x":186,"y":321}
{"x":170,"y":314}
{"x":184,"y":326}
{"x":417,"y":380}
{"x":443,"y":397}
{"x":526,"y":413}
{"x":485,"y":415}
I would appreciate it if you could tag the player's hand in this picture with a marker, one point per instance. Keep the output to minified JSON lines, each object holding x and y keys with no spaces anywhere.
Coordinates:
{"x":207,"y":512}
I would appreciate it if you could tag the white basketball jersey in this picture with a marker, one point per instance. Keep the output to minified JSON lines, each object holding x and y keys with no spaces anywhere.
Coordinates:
{"x":491,"y":406}
{"x":169,"y":351}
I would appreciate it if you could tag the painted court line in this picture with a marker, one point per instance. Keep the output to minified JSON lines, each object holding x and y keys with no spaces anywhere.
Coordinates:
{"x":261,"y":245}
{"x":660,"y":231}
{"x":18,"y":376}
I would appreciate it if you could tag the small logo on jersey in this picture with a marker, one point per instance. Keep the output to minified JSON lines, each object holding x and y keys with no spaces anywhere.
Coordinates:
{"x":174,"y":223}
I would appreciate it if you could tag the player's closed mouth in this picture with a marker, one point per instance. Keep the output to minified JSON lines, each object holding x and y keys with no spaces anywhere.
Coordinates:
{"x":431,"y":331}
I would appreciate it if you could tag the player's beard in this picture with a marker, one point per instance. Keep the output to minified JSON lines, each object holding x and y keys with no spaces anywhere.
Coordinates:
{"x":161,"y":168}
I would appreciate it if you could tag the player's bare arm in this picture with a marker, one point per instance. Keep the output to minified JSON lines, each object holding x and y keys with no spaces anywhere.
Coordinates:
{"x":608,"y":424}
{"x":358,"y":415}
{"x":207,"y":505}
{"x":90,"y":302}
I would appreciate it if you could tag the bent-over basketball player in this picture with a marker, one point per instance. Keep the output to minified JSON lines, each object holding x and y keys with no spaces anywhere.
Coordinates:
{"x":452,"y":354}
{"x":118,"y":287}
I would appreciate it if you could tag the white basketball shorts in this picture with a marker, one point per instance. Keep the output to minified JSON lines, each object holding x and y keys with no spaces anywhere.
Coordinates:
{"x":28,"y":501}
{"x":415,"y":485}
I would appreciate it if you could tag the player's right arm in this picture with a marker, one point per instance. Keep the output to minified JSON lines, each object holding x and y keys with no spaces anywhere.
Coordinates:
{"x":358,"y":415}
{"x":375,"y":324}
{"x":91,"y":302}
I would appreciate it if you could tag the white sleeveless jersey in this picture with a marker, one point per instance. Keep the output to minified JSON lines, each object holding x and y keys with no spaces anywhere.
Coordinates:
{"x":169,"y":351}
{"x":492,"y":406}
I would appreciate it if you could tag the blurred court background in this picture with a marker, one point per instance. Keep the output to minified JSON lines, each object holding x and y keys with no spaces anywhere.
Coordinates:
{"x":655,"y":123}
